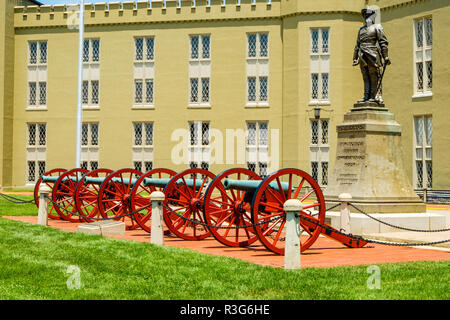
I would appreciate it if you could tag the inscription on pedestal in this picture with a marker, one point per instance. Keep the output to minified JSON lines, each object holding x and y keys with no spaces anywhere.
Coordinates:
{"x":350,"y":155}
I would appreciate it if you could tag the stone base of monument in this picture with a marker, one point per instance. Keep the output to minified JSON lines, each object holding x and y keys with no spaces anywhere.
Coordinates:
{"x":103,"y":228}
{"x":362,"y":224}
{"x":369,"y":163}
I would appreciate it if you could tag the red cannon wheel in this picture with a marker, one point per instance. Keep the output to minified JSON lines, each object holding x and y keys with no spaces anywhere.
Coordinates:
{"x":184,"y":199}
{"x":230,"y":208}
{"x":63,"y":194}
{"x":52,"y":173}
{"x":140,"y":197}
{"x":86,"y":195}
{"x":268,"y":203}
{"x":114,"y":196}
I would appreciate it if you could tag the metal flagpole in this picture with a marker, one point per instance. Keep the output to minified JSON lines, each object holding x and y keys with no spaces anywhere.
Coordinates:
{"x":80,"y":84}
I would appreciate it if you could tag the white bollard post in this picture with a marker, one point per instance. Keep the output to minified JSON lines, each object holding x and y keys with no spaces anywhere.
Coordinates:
{"x":292,"y":248}
{"x":345,"y":198}
{"x":157,"y":230}
{"x":44,"y":198}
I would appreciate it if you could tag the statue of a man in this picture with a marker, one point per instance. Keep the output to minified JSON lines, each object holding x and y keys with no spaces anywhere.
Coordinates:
{"x":371,"y":53}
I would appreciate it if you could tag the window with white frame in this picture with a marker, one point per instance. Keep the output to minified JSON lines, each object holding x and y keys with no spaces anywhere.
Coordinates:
{"x":90,"y":94}
{"x":144,"y":72}
{"x":423,"y":63}
{"x":258,"y":147}
{"x":423,"y":152}
{"x":36,"y":150}
{"x":199,"y":70}
{"x":89,"y":146}
{"x":142,"y":150}
{"x":199,"y":144}
{"x":257,"y":69}
{"x":37,"y":75}
{"x":320,"y":150}
{"x":320,"y":65}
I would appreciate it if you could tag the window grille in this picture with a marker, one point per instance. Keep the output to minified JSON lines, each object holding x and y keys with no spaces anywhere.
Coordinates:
{"x":41,"y":168}
{"x":42,"y":134}
{"x":205,"y":133}
{"x":314,"y":40}
{"x":251,"y":39}
{"x":205,"y":89}
{"x":263,"y":87}
{"x":319,"y":150}
{"x":43,"y":52}
{"x":35,"y":151}
{"x":86,"y":44}
{"x":194,"y":47}
{"x":137,"y":134}
{"x":148,"y":165}
{"x":251,"y":89}
{"x":263,"y":169}
{"x":31,"y":171}
{"x":42,"y":93}
{"x":315,"y":170}
{"x":139,"y":45}
{"x":257,"y":74}
{"x":95,"y":93}
{"x":33,"y":53}
{"x":423,"y":47}
{"x":95,"y":50}
{"x":423,"y":154}
{"x":149,"y":91}
{"x":85,"y":92}
{"x":194,"y":90}
{"x":32,"y":93}
{"x":206,"y":41}
{"x":319,"y":62}
{"x":150,"y":46}
{"x":324,"y":173}
{"x":264,"y":45}
{"x":138,"y":91}
{"x":314,"y":131}
{"x":32,"y":134}
{"x":257,"y":146}
{"x":314,"y":86}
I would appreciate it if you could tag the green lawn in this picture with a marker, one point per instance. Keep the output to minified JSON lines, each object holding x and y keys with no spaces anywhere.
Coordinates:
{"x":8,"y":208}
{"x":34,"y":261}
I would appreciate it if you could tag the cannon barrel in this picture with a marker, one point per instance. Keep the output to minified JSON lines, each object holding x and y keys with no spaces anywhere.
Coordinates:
{"x":251,"y":185}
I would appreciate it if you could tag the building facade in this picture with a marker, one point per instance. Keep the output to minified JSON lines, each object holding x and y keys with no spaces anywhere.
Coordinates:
{"x":214,"y":84}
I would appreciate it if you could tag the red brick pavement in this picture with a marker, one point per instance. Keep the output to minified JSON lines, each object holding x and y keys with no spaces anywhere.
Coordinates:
{"x":323,"y":253}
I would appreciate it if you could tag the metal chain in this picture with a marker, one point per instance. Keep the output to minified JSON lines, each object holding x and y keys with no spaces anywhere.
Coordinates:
{"x":220,"y":227}
{"x":394,"y":226}
{"x":109,"y":218}
{"x":360,"y":238}
{"x":15,"y":200}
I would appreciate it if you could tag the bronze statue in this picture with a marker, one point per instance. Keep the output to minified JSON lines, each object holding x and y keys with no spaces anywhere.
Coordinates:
{"x":371,"y":53}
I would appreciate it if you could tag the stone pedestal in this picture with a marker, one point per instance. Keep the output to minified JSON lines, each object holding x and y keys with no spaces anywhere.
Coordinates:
{"x":369,"y":163}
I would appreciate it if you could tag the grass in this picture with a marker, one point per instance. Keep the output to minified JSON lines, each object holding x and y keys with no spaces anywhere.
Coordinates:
{"x":8,"y":208}
{"x":34,"y":261}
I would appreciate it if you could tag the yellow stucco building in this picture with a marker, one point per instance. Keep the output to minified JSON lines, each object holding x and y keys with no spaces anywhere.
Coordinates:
{"x":214,"y":84}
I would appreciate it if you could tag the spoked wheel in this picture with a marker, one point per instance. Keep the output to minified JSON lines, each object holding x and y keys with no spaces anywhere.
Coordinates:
{"x":52,"y":173}
{"x":86,"y":194}
{"x":187,"y":201}
{"x":63,"y":195}
{"x":114,"y":196}
{"x":140,"y":195}
{"x":230,"y":208}
{"x":268,"y":201}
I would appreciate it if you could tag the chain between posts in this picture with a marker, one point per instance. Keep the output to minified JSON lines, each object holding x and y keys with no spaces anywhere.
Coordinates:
{"x":360,"y":238}
{"x":16,"y":200}
{"x":109,"y":218}
{"x":394,"y":226}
